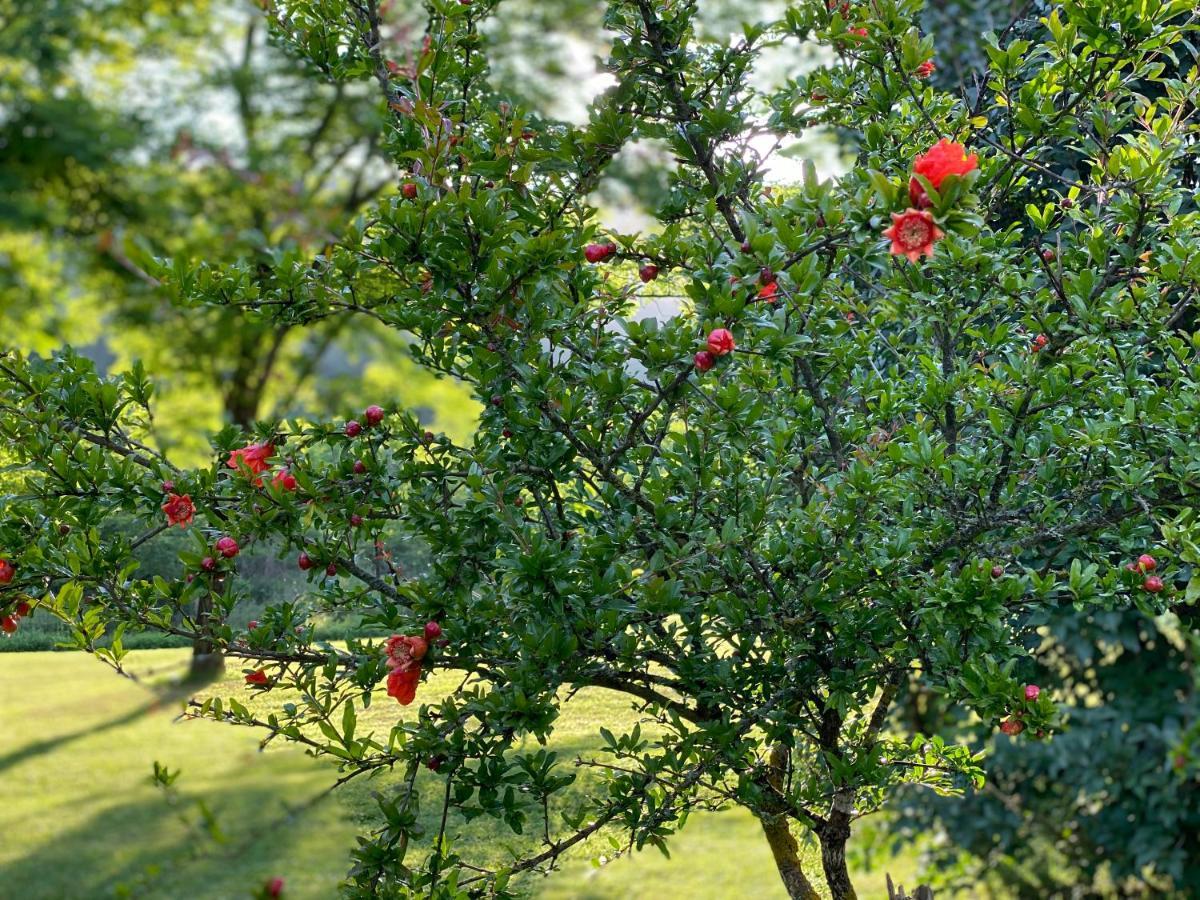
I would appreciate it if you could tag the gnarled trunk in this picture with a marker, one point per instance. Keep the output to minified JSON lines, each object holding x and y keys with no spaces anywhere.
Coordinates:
{"x":784,"y":847}
{"x":834,"y":834}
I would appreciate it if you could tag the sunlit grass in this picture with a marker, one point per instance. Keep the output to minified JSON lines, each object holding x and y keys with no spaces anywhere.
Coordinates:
{"x":80,"y":817}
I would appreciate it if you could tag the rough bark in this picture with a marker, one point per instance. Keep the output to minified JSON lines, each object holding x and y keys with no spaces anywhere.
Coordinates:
{"x":784,"y":847}
{"x":207,"y":663}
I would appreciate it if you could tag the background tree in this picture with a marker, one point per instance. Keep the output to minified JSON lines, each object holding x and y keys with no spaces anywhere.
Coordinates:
{"x":834,"y":468}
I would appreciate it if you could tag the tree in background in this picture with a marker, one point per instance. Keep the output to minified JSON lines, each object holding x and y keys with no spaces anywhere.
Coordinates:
{"x":843,"y":463}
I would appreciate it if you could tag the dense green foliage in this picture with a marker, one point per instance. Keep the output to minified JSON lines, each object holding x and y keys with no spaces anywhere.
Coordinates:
{"x":889,"y":474}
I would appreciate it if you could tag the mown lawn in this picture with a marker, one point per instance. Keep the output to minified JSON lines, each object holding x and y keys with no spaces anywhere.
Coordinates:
{"x":79,"y":816}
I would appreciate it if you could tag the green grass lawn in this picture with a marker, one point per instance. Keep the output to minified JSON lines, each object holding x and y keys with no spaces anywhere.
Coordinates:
{"x":79,"y":816}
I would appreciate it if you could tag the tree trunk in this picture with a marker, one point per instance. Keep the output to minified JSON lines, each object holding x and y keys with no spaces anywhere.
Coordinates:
{"x":833,"y":836}
{"x":207,"y":663}
{"x":784,"y":847}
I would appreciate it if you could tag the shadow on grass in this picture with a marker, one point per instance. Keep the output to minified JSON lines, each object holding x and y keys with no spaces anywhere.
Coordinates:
{"x":160,"y":696}
{"x":165,"y":848}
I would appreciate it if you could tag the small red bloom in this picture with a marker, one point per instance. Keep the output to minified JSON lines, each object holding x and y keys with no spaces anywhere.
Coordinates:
{"x":360,"y":467}
{"x":720,"y":341}
{"x":356,"y":520}
{"x":258,"y":676}
{"x":23,"y":608}
{"x":353,"y":429}
{"x":6,"y":571}
{"x":1032,"y":691}
{"x":913,"y":234}
{"x":1012,"y":727}
{"x":284,"y":479}
{"x":179,"y":510}
{"x":227,"y":547}
{"x":1153,"y":584}
{"x":704,"y":360}
{"x":404,"y":650}
{"x":595,"y":253}
{"x":9,"y":624}
{"x":253,"y":456}
{"x":925,"y":69}
{"x":168,"y":487}
{"x":208,"y":564}
{"x":373,"y":415}
{"x":402,"y":684}
{"x":433,"y":631}
{"x":275,"y":887}
{"x":768,"y":291}
{"x":304,"y":561}
{"x":942,"y":159}
{"x":331,"y":570}
{"x":409,"y":190}
{"x":252,"y":624}
{"x":648,"y":272}
{"x":859,"y":32}
{"x":997,"y":571}
{"x":1039,"y":343}
{"x":1147,"y":563}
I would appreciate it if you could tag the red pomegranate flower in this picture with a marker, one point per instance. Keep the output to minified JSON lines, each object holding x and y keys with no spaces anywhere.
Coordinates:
{"x":253,"y":457}
{"x":179,"y":509}
{"x":913,"y":234}
{"x":258,"y":676}
{"x":1032,"y":691}
{"x":720,"y":341}
{"x":403,"y":650}
{"x":1012,"y":727}
{"x":6,"y":571}
{"x":768,"y":291}
{"x":284,"y":479}
{"x":402,"y":684}
{"x":942,"y":159}
{"x":925,"y":69}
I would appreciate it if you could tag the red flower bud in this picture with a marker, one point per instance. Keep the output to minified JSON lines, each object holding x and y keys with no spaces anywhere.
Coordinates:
{"x":304,"y":561}
{"x":720,"y":341}
{"x":252,"y":624}
{"x":433,"y":631}
{"x":331,"y":570}
{"x":23,"y":608}
{"x":373,"y":415}
{"x":704,"y":360}
{"x":275,"y":887}
{"x":168,"y":487}
{"x":208,"y":564}
{"x":7,"y":571}
{"x":353,"y":429}
{"x":409,"y":190}
{"x":1147,"y":563}
{"x":648,"y":272}
{"x":227,"y":547}
{"x":356,"y":520}
{"x":8,"y":624}
{"x":1153,"y":584}
{"x":1032,"y":691}
{"x":997,"y":571}
{"x":1012,"y":727}
{"x":359,"y":467}
{"x":595,"y":253}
